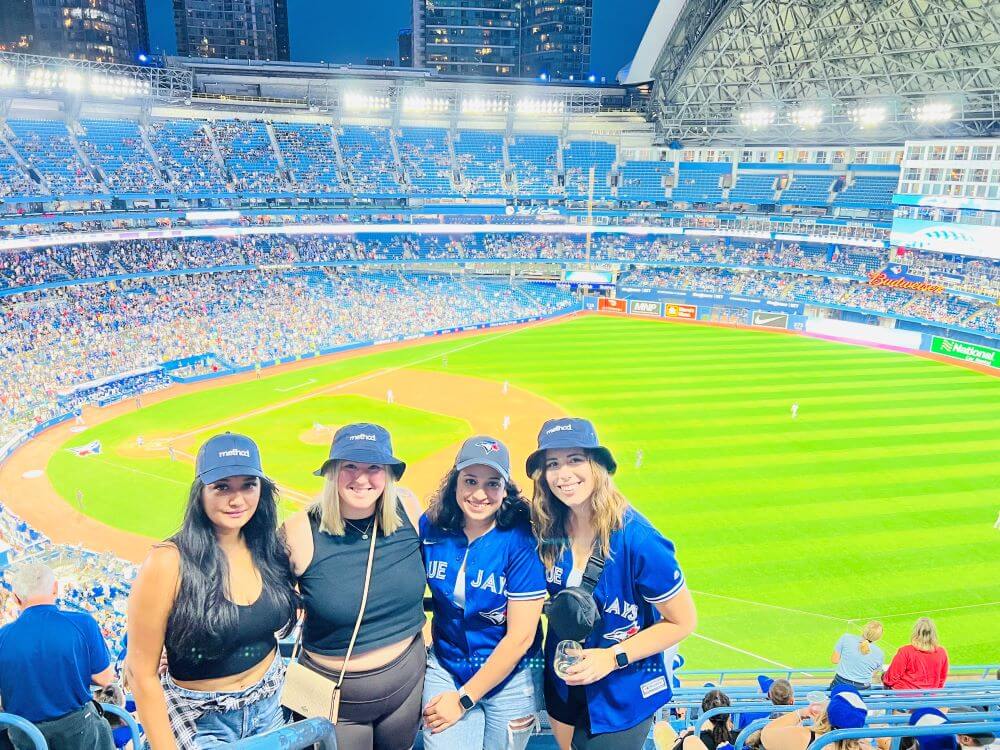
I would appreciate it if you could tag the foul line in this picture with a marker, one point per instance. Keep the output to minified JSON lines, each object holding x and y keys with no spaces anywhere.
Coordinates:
{"x":774,"y":606}
{"x":745,"y":652}
{"x":354,"y":381}
{"x":295,"y":387}
{"x":927,"y":611}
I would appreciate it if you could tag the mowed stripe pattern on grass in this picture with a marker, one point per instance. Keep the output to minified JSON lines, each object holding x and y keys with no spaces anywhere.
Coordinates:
{"x":879,"y":498}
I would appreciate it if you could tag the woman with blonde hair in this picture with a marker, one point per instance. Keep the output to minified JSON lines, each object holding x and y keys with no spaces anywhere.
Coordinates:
{"x":589,"y":534}
{"x":329,"y":548}
{"x":844,"y":710}
{"x":858,"y":658}
{"x":920,"y":665}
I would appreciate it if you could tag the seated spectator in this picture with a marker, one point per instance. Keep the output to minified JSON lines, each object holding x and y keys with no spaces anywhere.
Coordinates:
{"x":928,"y":717}
{"x":49,"y":658}
{"x":857,"y":658}
{"x":844,"y":710}
{"x":718,"y":730}
{"x":921,"y":664}
{"x":779,"y":692}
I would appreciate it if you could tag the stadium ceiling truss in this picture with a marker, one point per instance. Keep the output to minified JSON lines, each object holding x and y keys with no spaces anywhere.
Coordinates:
{"x":738,"y":71}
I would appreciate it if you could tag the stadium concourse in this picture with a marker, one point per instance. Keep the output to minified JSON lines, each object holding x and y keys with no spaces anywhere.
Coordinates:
{"x":174,"y":232}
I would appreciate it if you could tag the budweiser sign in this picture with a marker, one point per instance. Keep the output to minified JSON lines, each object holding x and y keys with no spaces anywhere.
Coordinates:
{"x":898,"y":277}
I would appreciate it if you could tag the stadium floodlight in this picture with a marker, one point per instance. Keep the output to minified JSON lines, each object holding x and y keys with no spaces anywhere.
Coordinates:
{"x":868,"y":116}
{"x":755,"y":119}
{"x":531,"y":106}
{"x":477,"y":105}
{"x":544,"y":76}
{"x":933,"y":112}
{"x":8,"y":76}
{"x":358,"y":102}
{"x":420,"y":103}
{"x":806,"y":117}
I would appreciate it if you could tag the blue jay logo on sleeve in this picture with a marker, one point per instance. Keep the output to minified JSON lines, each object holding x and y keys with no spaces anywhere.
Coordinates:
{"x":489,"y":446}
{"x":497,"y":616}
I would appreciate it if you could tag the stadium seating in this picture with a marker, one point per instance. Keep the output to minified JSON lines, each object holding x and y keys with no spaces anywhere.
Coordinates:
{"x":426,"y":159}
{"x":14,"y":182}
{"x":246,"y":150}
{"x":644,"y":180}
{"x":116,"y":148}
{"x":699,"y":182}
{"x":479,"y":157}
{"x":578,"y":158}
{"x":369,"y":159}
{"x":533,"y":159}
{"x":868,"y":191}
{"x":309,"y":154}
{"x":48,"y":146}
{"x":807,"y":190}
{"x":185,"y":151}
{"x":753,"y":189}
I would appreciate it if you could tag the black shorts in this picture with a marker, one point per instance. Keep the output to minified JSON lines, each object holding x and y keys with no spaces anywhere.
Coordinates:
{"x":574,"y":712}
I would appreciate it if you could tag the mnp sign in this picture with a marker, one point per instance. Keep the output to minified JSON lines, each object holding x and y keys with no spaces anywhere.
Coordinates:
{"x":980,"y":355}
{"x":770,"y":319}
{"x":643,"y":307}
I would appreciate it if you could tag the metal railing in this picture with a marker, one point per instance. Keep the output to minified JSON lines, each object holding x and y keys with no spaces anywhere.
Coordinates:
{"x":949,"y":728}
{"x":25,"y":726}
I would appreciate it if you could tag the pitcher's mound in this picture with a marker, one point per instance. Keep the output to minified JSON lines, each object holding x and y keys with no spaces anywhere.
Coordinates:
{"x":318,"y":434}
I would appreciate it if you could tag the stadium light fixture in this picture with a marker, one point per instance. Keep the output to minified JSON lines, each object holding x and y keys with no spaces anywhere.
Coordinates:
{"x":755,"y":119}
{"x":592,"y":78}
{"x":541,"y":106}
{"x":358,"y":102}
{"x":477,"y":105}
{"x":869,"y":116}
{"x":420,"y":103}
{"x":544,"y":77}
{"x":933,"y":112}
{"x":806,"y":118}
{"x":8,"y":76}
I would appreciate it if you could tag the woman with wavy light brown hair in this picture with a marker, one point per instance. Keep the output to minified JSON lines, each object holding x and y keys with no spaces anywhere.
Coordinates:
{"x":920,"y":665}
{"x":607,"y":698}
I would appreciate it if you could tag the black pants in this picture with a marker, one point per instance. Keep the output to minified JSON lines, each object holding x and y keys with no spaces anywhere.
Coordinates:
{"x":380,"y":708}
{"x":838,"y":680}
{"x":576,"y":713}
{"x":84,"y":729}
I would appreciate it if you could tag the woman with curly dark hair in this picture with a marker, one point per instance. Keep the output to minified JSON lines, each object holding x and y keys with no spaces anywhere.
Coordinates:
{"x":488,"y":585}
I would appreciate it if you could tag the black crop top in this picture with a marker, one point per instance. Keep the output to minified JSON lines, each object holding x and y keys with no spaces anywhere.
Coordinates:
{"x":253,"y":640}
{"x":332,"y":585}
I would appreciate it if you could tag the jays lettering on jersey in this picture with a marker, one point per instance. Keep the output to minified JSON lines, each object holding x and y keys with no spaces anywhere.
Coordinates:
{"x":641,"y":572}
{"x":501,"y":565}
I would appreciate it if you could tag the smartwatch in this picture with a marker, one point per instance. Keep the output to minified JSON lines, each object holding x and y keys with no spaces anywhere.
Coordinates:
{"x":464,"y":700}
{"x":621,"y":658}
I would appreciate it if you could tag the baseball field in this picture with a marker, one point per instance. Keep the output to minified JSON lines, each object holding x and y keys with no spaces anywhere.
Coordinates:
{"x":878,"y":500}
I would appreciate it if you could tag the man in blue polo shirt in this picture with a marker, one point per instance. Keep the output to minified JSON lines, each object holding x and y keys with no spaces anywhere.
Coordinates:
{"x":49,"y":658}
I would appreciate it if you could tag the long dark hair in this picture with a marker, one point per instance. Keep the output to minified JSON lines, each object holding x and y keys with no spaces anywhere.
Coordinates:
{"x":720,"y":724}
{"x":203,"y":616}
{"x":444,"y":513}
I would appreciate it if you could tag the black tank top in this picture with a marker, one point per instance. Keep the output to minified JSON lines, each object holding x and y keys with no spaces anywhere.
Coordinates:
{"x":254,"y":638}
{"x":332,"y":585}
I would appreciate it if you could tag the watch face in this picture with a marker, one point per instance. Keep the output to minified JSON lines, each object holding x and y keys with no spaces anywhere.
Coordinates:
{"x":466,"y":702}
{"x":621,"y":658}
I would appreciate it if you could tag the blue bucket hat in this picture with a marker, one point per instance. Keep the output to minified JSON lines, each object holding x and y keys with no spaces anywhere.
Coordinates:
{"x":846,"y":709}
{"x":569,"y":432}
{"x":365,"y":443}
{"x":929,"y":717}
{"x":487,"y":451}
{"x":227,"y":455}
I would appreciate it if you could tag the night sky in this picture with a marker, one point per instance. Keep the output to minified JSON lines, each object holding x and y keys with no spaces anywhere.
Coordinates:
{"x":351,"y":30}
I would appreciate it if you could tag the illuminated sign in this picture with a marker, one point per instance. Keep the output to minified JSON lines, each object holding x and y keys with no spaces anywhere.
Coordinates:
{"x":684,"y":312}
{"x":899,"y":277}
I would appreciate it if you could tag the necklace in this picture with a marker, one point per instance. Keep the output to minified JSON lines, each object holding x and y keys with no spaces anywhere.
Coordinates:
{"x":364,"y":532}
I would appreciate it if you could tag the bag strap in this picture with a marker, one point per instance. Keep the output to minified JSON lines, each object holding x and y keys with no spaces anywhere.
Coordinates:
{"x":364,"y":602}
{"x":595,"y":566}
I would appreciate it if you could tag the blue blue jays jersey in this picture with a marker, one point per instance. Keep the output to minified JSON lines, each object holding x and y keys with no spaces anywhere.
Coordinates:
{"x":501,"y":565}
{"x":641,"y":572}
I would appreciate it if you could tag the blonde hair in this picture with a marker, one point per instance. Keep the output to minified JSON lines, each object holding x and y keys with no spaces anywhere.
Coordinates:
{"x":821,"y":725}
{"x":327,"y":507}
{"x":549,"y":516}
{"x":924,"y":636}
{"x":869,"y":634}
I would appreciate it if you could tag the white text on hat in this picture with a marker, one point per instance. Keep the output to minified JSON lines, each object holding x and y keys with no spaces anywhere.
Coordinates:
{"x":363,"y":436}
{"x":234,"y":452}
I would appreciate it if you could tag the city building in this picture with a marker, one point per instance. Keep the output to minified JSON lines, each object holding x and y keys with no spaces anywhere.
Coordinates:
{"x":555,"y":39}
{"x":456,"y":37}
{"x":232,"y":29}
{"x":111,"y":31}
{"x":405,"y":48}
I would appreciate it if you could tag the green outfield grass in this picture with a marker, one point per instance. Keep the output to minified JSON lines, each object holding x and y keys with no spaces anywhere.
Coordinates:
{"x":877,"y":501}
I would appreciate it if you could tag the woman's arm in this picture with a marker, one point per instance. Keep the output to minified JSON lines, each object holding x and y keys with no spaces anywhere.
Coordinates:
{"x":411,"y":504}
{"x":835,"y":659}
{"x":149,"y":607}
{"x":679,"y":621}
{"x":896,"y":668}
{"x":786,"y":732}
{"x":522,"y":624}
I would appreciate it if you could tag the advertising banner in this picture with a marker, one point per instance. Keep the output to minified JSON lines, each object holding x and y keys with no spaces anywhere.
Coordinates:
{"x":643,"y":307}
{"x":945,"y":237}
{"x":684,"y":312}
{"x":897,"y":276}
{"x":981,"y":355}
{"x":770,"y":319}
{"x":607,"y":304}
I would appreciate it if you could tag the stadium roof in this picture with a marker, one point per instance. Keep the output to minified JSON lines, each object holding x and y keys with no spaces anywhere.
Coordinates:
{"x":822,"y":71}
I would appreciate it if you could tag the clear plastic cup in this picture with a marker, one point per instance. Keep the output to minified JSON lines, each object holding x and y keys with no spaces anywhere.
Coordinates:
{"x":567,"y":654}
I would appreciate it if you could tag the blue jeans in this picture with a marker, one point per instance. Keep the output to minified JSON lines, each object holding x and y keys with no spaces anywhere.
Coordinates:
{"x":486,"y":726}
{"x":218,"y":728}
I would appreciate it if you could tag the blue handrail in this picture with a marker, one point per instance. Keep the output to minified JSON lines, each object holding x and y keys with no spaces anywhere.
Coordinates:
{"x":301,"y":734}
{"x":27,"y":727}
{"x":956,"y":669}
{"x":902,"y":703}
{"x":130,"y":722}
{"x":838,"y":735}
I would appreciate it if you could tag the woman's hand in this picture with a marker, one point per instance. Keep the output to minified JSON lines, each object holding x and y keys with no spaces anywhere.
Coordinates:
{"x":442,"y":711}
{"x":595,"y":664}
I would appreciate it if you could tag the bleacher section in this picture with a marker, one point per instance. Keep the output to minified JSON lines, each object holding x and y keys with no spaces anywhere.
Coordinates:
{"x":807,"y":190}
{"x":246,"y":150}
{"x":699,"y":182}
{"x":753,"y":189}
{"x":426,"y":160}
{"x":644,"y":181}
{"x":48,"y":147}
{"x":13,"y":181}
{"x":868,"y":191}
{"x":578,"y":158}
{"x":116,"y":148}
{"x":479,"y":157}
{"x":308,"y":151}
{"x":533,"y":160}
{"x":369,"y":160}
{"x":185,"y":151}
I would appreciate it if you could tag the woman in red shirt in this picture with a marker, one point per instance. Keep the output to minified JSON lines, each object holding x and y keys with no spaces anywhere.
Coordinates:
{"x":921,"y":665}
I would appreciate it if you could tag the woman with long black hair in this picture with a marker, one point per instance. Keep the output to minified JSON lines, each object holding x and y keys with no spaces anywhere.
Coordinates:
{"x":214,"y":596}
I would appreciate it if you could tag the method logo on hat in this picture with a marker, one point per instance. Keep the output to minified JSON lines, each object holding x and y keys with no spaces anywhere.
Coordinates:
{"x":228,"y":455}
{"x":363,"y":436}
{"x":559,"y":428}
{"x":569,"y":432}
{"x":234,"y":452}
